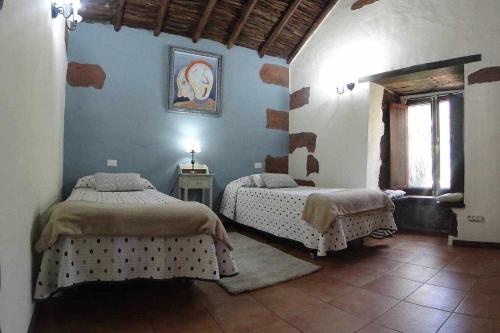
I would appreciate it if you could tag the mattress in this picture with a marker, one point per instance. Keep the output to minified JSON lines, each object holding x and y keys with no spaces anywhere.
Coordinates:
{"x":279,"y":212}
{"x":74,"y":260}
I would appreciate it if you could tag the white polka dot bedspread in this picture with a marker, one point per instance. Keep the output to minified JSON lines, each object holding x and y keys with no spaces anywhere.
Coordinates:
{"x":74,"y":260}
{"x":279,"y":212}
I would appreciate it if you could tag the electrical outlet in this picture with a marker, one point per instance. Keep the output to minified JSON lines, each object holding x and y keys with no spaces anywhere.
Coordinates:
{"x":112,"y":163}
{"x":475,"y":218}
{"x":258,"y":165}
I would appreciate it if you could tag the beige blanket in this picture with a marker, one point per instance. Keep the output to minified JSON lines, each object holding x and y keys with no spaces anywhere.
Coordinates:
{"x":322,"y":209}
{"x":83,"y":218}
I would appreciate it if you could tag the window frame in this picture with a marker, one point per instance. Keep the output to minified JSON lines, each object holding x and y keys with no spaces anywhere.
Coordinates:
{"x":434,"y":101}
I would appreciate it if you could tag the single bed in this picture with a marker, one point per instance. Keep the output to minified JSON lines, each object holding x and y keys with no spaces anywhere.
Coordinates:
{"x":279,"y":212}
{"x":74,"y":260}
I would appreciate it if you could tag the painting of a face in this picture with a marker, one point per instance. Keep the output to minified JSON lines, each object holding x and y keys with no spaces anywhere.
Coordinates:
{"x":195,"y":77}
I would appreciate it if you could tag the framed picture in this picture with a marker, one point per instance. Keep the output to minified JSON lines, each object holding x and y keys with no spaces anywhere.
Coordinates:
{"x":194,"y":82}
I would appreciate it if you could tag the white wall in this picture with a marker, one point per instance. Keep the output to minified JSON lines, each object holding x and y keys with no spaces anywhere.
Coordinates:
{"x":388,"y":35}
{"x":32,"y":87}
{"x":375,"y":133}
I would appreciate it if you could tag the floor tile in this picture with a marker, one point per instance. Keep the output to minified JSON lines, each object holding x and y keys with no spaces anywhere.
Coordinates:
{"x":354,"y":281}
{"x":487,"y":285}
{"x":431,"y":261}
{"x":323,"y":288}
{"x":399,"y":255}
{"x":379,"y":265}
{"x":203,"y":323}
{"x":468,"y":266}
{"x":444,"y":251}
{"x":211,"y":294}
{"x":414,"y":272}
{"x":285,"y":301}
{"x":108,"y":328}
{"x":458,"y":323}
{"x":364,"y":303}
{"x":461,"y":281}
{"x":372,"y":328}
{"x":355,"y":276}
{"x":437,"y":297}
{"x":327,"y":319}
{"x":409,"y":318}
{"x":491,"y":266}
{"x":277,"y":327}
{"x":480,"y":305}
{"x":242,"y":315}
{"x":393,"y":286}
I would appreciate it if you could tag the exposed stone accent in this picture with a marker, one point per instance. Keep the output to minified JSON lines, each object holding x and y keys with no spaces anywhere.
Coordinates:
{"x":361,"y":3}
{"x":302,"y":182}
{"x":277,"y":164}
{"x":299,"y":98}
{"x":277,"y":119}
{"x":304,"y":139}
{"x":275,"y":74}
{"x":312,"y":164}
{"x":384,"y":180}
{"x":85,"y":75}
{"x":488,"y":74}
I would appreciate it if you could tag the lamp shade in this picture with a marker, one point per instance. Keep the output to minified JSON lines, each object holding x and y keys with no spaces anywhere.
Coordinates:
{"x":193,"y":145}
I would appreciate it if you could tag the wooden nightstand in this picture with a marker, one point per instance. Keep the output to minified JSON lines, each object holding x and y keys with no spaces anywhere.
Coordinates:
{"x":201,"y":182}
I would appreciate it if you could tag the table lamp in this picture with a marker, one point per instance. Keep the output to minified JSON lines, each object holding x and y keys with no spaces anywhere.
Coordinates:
{"x":193,"y":147}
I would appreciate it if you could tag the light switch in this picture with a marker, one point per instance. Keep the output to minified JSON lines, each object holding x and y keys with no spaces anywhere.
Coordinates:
{"x":258,"y":165}
{"x":112,"y":163}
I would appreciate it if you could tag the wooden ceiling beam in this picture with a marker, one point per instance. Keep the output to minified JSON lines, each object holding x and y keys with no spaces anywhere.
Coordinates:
{"x":160,"y":18}
{"x":279,"y":28}
{"x":120,"y":11}
{"x":245,"y":14}
{"x":324,"y":13}
{"x":204,"y":19}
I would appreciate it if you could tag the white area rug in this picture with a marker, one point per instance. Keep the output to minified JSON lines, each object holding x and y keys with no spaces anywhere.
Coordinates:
{"x":261,"y":265}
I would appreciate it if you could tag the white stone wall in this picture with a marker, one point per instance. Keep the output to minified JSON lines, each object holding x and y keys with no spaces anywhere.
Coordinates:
{"x":32,"y":88}
{"x":388,"y":35}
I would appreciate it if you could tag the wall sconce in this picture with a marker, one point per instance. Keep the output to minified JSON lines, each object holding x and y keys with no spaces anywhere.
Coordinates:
{"x":341,"y":90}
{"x":68,"y":9}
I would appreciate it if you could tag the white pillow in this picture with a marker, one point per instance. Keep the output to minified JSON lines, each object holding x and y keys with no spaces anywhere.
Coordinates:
{"x":118,"y":182}
{"x":257,"y":180}
{"x":86,"y":182}
{"x":451,"y":197}
{"x":278,"y":180}
{"x":146,"y":184}
{"x":89,"y":182}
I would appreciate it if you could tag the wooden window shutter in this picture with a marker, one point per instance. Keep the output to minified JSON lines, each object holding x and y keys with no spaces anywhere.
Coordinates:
{"x":399,"y":130}
{"x":457,"y":143}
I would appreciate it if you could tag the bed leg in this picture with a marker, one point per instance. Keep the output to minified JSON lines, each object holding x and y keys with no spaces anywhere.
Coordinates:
{"x":314,"y":255}
{"x":188,"y":281}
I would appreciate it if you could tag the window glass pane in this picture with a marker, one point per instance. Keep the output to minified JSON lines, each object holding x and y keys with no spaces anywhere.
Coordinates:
{"x":444,"y":145}
{"x":420,"y":145}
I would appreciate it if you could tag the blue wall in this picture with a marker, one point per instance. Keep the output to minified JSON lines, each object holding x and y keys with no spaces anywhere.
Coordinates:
{"x":127,"y":120}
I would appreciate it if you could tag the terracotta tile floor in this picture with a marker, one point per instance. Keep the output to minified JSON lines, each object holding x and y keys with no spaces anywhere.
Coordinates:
{"x":408,"y":283}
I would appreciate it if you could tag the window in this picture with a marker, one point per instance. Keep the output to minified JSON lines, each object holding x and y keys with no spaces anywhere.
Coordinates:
{"x":427,"y":142}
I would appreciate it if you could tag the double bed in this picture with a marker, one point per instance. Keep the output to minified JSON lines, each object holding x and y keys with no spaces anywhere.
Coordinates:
{"x":279,"y":211}
{"x":77,"y":259}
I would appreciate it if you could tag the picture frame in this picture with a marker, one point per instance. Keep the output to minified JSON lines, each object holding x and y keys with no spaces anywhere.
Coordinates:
{"x":194,"y":83}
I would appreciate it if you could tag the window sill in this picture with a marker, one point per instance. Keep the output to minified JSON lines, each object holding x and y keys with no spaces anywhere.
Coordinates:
{"x":428,"y":199}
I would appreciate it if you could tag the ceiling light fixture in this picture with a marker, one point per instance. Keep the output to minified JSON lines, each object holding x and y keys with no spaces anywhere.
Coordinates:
{"x":69,"y":10}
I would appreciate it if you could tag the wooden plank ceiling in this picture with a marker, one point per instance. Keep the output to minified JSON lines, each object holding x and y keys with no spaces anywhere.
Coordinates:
{"x":441,"y":79}
{"x":271,"y":27}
